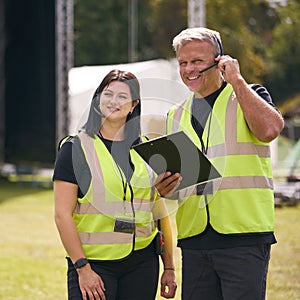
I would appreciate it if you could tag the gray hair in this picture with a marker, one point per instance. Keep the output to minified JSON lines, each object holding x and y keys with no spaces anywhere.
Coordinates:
{"x":201,"y":34}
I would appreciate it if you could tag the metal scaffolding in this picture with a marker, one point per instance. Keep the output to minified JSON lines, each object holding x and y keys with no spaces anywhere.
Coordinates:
{"x":132,"y":30}
{"x":2,"y":81}
{"x":196,"y":13}
{"x":64,"y":62}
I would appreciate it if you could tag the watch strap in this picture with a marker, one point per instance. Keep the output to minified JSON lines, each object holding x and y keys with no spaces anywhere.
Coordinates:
{"x":81,"y":262}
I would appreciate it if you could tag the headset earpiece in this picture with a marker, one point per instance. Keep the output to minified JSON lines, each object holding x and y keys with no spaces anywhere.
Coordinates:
{"x":220,"y":47}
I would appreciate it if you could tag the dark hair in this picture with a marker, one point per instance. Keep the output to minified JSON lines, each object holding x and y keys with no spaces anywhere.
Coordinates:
{"x":132,"y":128}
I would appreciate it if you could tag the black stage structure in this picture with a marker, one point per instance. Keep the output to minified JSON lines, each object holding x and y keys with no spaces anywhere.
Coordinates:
{"x":36,"y":52}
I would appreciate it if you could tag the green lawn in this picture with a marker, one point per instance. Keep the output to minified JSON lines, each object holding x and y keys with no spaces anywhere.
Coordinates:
{"x":32,"y":258}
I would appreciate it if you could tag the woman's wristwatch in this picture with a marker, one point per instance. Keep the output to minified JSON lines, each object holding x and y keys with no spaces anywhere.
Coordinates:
{"x":81,"y":262}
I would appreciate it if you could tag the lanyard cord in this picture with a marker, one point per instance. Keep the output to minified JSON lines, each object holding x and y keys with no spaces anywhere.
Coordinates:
{"x":201,"y":113}
{"x":125,"y":183}
{"x":205,"y":148}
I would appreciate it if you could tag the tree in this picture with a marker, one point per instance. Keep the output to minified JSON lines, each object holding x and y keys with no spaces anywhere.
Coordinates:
{"x":168,"y":19}
{"x":261,"y":36}
{"x":101,"y":32}
{"x":245,"y":27}
{"x":243,"y":30}
{"x":284,"y":52}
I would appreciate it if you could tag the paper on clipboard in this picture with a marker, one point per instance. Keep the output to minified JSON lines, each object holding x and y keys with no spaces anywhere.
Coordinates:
{"x":178,"y":154}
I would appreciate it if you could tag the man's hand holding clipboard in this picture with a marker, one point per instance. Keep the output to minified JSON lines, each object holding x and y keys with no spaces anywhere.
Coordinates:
{"x":177,"y":161}
{"x":167,"y":183}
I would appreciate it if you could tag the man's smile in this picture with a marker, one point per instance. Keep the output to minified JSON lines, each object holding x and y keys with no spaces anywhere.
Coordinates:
{"x":190,"y":78}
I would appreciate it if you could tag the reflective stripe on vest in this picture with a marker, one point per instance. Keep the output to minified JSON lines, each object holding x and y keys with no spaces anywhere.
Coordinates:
{"x":230,"y":146}
{"x":245,"y":165}
{"x":101,"y":206}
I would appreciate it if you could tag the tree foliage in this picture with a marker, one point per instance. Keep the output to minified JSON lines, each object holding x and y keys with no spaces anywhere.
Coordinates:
{"x":168,"y":19}
{"x":98,"y":31}
{"x":241,"y":24}
{"x":284,"y":52}
{"x":261,"y":36}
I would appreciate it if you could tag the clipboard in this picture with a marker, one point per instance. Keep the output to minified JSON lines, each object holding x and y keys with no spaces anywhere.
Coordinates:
{"x":177,"y":153}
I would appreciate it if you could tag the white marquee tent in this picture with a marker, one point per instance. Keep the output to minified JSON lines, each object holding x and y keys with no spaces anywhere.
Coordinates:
{"x":161,"y":87}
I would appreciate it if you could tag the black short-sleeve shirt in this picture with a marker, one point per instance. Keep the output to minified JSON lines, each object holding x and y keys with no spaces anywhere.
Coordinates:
{"x":71,"y":165}
{"x":210,"y":239}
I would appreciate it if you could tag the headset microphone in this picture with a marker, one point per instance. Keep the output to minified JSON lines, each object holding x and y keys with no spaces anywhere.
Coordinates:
{"x":209,"y":67}
{"x":216,"y":62}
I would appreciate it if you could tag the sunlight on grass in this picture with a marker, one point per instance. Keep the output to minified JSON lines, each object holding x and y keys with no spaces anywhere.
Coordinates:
{"x":33,"y":264}
{"x":284,"y":274}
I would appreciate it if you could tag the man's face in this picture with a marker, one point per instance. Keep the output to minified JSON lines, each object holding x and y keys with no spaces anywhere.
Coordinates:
{"x":192,"y":58}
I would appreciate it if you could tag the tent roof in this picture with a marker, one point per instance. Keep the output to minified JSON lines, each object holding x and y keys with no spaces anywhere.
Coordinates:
{"x":161,"y":87}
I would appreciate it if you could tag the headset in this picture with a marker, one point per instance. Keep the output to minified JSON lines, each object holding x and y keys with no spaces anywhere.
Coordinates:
{"x":220,"y":54}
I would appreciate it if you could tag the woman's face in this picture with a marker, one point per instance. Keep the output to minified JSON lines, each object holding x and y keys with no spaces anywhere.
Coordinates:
{"x":116,"y":101}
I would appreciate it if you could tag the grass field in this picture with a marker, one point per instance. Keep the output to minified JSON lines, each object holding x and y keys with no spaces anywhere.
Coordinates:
{"x":32,"y":259}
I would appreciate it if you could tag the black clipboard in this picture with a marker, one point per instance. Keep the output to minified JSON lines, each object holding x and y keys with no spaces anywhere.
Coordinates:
{"x":178,"y":154}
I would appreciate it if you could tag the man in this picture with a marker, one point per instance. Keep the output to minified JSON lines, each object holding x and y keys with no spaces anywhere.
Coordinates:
{"x":224,"y":231}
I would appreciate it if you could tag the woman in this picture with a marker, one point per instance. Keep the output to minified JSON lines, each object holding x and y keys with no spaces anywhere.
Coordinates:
{"x":106,"y":206}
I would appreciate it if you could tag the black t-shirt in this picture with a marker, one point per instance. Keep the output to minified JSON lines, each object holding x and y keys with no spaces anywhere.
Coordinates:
{"x":210,"y":239}
{"x":71,"y":165}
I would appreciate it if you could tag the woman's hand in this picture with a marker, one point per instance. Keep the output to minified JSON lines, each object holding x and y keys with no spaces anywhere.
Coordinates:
{"x":90,"y":284}
{"x":168,"y":284}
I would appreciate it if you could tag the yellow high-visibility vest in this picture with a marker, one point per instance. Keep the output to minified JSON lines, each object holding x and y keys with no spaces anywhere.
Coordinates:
{"x":105,"y":202}
{"x":242,"y":201}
